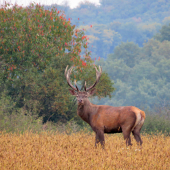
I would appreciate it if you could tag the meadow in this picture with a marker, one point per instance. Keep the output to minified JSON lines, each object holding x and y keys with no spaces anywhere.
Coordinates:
{"x":54,"y":150}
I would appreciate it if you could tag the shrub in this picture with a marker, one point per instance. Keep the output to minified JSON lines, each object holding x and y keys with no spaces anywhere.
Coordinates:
{"x":155,"y":124}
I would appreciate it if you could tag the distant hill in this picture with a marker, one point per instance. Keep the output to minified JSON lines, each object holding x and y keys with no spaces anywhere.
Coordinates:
{"x":120,"y":33}
{"x":116,"y":21}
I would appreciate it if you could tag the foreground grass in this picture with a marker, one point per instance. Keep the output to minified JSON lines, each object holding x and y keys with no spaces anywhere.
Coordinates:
{"x":76,"y":151}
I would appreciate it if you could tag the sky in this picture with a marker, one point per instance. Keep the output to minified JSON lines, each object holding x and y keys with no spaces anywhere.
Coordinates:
{"x":71,"y":3}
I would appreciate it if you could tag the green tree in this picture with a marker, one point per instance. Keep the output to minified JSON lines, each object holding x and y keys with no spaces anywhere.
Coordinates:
{"x":164,"y":33}
{"x":128,"y":51}
{"x":141,"y":75}
{"x":36,"y":45}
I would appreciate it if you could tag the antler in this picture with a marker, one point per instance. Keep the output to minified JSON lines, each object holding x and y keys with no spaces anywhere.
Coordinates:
{"x":98,"y":75}
{"x":67,"y":75}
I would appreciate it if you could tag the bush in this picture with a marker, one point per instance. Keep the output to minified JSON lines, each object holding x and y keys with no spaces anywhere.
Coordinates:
{"x":155,"y":124}
{"x":14,"y":119}
{"x":36,"y":45}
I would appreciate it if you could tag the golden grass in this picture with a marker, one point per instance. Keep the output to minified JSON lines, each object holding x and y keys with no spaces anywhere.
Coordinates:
{"x":61,"y":151}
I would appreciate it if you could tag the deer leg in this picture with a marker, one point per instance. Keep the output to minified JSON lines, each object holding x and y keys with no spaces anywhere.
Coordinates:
{"x":127,"y":128}
{"x":126,"y":134}
{"x":100,"y":138}
{"x":97,"y":140}
{"x":128,"y":139}
{"x":136,"y":134}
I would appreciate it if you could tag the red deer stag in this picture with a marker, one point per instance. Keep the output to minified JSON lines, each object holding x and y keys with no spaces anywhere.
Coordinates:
{"x":106,"y":119}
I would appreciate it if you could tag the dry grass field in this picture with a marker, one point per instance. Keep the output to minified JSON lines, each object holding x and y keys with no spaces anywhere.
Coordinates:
{"x":55,"y":151}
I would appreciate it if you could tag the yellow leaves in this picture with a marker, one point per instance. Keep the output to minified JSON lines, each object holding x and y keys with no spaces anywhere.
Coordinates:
{"x":166,"y":19}
{"x":92,"y":38}
{"x":108,"y":33}
{"x":150,"y":27}
{"x":48,"y":150}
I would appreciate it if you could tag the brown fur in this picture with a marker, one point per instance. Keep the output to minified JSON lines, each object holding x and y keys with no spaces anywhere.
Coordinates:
{"x":109,"y":119}
{"x":106,"y":119}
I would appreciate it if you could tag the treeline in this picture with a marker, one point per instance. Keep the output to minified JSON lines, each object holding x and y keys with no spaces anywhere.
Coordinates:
{"x":112,"y":22}
{"x":124,"y":36}
{"x":141,"y":75}
{"x":36,"y":45}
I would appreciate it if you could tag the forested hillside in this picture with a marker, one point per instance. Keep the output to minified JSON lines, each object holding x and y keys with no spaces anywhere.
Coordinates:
{"x":36,"y":45}
{"x":112,"y":22}
{"x":131,"y":40}
{"x":141,"y":75}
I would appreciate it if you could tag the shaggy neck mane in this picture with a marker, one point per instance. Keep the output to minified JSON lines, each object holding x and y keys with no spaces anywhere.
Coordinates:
{"x":86,"y":110}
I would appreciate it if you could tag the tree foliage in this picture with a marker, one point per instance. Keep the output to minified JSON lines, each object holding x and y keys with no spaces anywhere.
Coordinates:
{"x":36,"y":45}
{"x":123,"y":20}
{"x":164,"y":33}
{"x":141,"y":75}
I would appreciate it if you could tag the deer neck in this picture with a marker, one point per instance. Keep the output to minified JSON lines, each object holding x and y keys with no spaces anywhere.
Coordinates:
{"x":86,"y":110}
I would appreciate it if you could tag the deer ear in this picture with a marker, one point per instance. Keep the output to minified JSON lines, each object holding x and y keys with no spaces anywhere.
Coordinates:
{"x":72,"y":92}
{"x":91,"y":92}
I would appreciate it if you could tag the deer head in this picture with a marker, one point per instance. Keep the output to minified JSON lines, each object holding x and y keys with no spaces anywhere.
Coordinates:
{"x":82,"y":95}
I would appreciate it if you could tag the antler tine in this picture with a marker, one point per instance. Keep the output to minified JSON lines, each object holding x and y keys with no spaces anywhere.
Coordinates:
{"x":98,"y":72}
{"x":85,"y":85}
{"x":100,"y":69}
{"x":66,"y":71}
{"x":98,"y":75}
{"x":76,"y":85}
{"x":67,"y":75}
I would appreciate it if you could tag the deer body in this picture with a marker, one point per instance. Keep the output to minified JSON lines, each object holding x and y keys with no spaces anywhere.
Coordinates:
{"x":107,"y":119}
